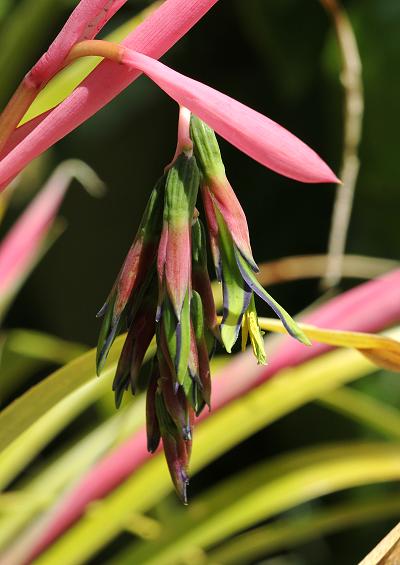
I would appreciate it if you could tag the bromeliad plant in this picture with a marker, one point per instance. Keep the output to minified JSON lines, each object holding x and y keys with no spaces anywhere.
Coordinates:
{"x":163,"y":289}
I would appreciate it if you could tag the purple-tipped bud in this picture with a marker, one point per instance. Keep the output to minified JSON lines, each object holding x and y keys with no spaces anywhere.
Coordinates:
{"x":175,"y":402}
{"x":176,"y":449}
{"x":141,"y":332}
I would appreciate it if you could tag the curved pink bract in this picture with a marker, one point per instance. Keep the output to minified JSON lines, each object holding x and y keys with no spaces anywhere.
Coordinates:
{"x":158,"y":33}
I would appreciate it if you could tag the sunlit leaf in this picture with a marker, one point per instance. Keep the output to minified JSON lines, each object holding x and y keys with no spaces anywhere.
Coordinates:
{"x":26,"y":351}
{"x":286,"y":533}
{"x":214,"y":436}
{"x":42,"y":490}
{"x":365,"y":409}
{"x":258,"y":494}
{"x":381,"y":350}
{"x":24,"y":28}
{"x":33,"y":420}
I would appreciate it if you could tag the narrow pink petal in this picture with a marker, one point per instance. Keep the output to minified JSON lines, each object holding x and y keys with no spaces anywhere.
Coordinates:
{"x":251,"y":132}
{"x":158,"y":33}
{"x":84,"y":23}
{"x":347,"y":311}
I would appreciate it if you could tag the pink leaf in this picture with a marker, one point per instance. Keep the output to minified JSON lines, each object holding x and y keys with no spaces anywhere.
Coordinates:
{"x":21,"y":246}
{"x":85,"y":22}
{"x":158,"y":33}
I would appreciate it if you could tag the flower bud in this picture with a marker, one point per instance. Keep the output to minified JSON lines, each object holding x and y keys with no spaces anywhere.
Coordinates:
{"x":141,"y":332}
{"x":175,"y":338}
{"x":176,"y":449}
{"x":214,"y":179}
{"x":174,"y":259}
{"x":134,"y":272}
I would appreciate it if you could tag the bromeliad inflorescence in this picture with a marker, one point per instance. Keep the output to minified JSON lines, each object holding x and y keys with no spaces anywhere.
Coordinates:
{"x":163,"y":290}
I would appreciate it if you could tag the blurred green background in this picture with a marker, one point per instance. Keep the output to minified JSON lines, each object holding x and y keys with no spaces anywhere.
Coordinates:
{"x":279,"y":57}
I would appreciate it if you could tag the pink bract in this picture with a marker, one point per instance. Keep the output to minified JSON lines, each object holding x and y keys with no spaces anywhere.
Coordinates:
{"x":158,"y":33}
{"x":251,"y":132}
{"x":85,"y":22}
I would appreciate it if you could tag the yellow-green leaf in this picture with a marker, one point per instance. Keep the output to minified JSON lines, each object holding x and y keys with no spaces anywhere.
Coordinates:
{"x":381,"y":350}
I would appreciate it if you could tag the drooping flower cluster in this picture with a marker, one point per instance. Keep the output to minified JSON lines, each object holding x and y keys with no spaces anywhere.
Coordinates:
{"x":163,"y":290}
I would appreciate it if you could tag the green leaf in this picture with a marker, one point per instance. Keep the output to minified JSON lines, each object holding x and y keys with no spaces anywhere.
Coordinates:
{"x":26,"y":351}
{"x":380,"y":349}
{"x":31,"y":421}
{"x":24,"y":28}
{"x":287,"y":533}
{"x":36,"y":495}
{"x":266,"y":490}
{"x":364,"y":409}
{"x":214,"y":437}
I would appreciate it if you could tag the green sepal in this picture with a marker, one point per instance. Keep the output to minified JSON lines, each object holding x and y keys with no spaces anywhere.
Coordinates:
{"x":108,"y":332}
{"x":196,"y":310}
{"x":199,"y":245}
{"x":150,"y":224}
{"x":166,"y":423}
{"x":181,"y":188}
{"x":206,"y":149}
{"x":290,"y":325}
{"x":177,"y":336}
{"x":236,"y":293}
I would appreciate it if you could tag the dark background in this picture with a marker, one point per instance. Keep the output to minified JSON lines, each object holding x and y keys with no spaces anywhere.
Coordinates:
{"x":279,"y":57}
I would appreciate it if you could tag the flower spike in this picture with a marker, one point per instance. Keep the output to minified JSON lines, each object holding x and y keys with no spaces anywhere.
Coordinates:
{"x":181,"y":311}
